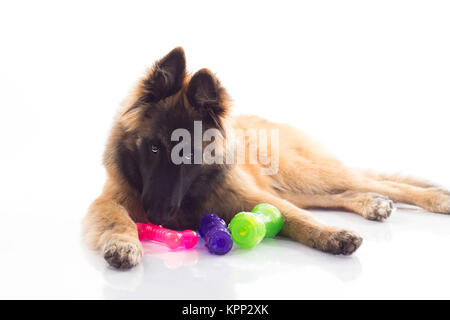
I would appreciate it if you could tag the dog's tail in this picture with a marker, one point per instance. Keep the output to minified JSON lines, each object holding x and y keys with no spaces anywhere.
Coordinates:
{"x":399,"y":178}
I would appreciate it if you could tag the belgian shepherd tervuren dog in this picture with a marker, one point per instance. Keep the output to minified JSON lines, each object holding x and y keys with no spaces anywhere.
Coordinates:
{"x":144,"y":183}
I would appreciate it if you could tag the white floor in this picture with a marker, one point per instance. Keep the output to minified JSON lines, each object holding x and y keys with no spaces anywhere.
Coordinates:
{"x":405,"y":257}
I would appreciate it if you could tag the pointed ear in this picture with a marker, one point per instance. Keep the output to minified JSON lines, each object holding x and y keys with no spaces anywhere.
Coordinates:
{"x":207,"y":96}
{"x":166,"y":76}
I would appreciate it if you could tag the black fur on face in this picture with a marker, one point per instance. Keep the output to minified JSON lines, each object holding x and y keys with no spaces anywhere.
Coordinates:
{"x":170,"y":191}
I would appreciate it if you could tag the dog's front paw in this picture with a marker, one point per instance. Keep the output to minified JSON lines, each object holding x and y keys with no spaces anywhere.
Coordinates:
{"x":378,"y":207}
{"x":342,"y":242}
{"x":123,"y":252}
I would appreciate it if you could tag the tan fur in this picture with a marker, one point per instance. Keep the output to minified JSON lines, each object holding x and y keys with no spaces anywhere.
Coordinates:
{"x":308,"y":177}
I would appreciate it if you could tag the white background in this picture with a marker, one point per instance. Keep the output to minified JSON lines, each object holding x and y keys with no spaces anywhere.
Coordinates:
{"x":370,"y":80}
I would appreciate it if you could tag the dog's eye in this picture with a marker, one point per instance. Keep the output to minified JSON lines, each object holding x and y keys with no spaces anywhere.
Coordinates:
{"x":154,"y":148}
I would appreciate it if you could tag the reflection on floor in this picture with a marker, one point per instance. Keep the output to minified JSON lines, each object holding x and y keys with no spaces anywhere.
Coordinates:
{"x":404,"y":257}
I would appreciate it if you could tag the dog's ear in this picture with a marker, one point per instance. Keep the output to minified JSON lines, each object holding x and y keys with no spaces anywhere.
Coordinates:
{"x":166,"y":76}
{"x":207,"y":96}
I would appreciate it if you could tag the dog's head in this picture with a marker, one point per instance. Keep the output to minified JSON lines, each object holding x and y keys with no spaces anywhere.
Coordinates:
{"x":167,"y":99}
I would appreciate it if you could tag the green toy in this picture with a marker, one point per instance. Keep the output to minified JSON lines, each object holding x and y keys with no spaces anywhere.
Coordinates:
{"x":249,"y":228}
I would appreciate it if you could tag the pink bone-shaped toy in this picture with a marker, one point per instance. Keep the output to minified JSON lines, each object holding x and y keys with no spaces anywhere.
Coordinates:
{"x":171,"y":238}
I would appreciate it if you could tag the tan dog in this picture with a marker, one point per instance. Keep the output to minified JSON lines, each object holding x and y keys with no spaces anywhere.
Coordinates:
{"x":144,"y":183}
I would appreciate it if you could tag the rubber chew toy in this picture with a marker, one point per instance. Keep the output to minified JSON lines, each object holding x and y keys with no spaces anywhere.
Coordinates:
{"x":249,"y":228}
{"x":171,"y":238}
{"x":216,"y":234}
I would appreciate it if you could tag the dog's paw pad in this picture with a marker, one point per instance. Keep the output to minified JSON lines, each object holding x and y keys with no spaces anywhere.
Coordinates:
{"x":343,"y":242}
{"x":378,"y":208}
{"x":123,"y":254}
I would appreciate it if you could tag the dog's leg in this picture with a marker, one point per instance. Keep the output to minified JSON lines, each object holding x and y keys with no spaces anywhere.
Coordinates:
{"x":432,"y":199}
{"x":397,"y":178}
{"x":371,"y":206}
{"x":301,"y":226}
{"x":108,"y":227}
{"x":306,"y":177}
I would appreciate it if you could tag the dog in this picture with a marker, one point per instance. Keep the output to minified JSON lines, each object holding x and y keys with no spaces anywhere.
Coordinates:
{"x":144,"y":184}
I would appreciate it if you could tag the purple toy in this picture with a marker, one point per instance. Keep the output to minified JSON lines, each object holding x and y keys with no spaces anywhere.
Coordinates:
{"x":216,"y":234}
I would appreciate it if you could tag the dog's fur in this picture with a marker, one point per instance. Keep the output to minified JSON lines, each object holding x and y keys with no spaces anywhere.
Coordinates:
{"x":142,"y":183}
